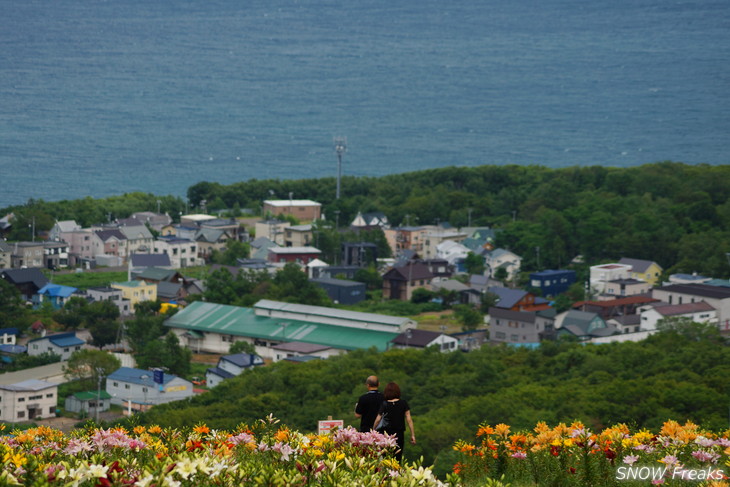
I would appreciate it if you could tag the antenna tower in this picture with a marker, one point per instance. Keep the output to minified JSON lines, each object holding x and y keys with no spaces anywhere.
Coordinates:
{"x":340,"y":149}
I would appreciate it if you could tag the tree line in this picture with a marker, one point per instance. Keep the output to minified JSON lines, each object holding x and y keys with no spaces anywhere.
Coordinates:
{"x":675,"y":214}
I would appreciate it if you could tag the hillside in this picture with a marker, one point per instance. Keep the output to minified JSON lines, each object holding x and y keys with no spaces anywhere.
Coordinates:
{"x":677,"y":374}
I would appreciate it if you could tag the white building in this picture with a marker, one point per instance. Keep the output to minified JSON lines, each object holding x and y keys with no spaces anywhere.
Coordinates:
{"x":230,"y":366}
{"x":715,"y":296}
{"x":27,"y":401}
{"x":136,"y":389}
{"x":181,"y":251}
{"x":602,"y":274}
{"x":698,"y":312}
{"x":63,"y":344}
{"x":503,"y":259}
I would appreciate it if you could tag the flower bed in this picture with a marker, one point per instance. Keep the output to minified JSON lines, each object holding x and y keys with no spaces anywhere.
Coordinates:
{"x":573,"y":455}
{"x":265,"y":454}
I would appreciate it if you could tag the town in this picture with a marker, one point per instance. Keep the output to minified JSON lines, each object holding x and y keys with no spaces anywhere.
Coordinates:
{"x":477,"y":293}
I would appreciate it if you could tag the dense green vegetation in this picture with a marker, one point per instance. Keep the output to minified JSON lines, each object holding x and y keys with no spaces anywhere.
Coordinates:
{"x":673,"y":213}
{"x":679,"y":374}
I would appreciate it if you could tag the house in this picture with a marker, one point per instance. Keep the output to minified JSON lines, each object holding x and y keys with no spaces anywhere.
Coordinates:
{"x":109,"y":242}
{"x":453,"y":252}
{"x":601,"y":274}
{"x":300,"y":255}
{"x":6,"y":253}
{"x":156,"y":275}
{"x":440,"y":268}
{"x":552,"y":282}
{"x":502,"y":259}
{"x":225,"y":226}
{"x":139,"y":239}
{"x":435,"y":237}
{"x":613,"y":308}
{"x":155,"y":221}
{"x":86,"y":402}
{"x":8,"y":336}
{"x":170,"y":292}
{"x":518,"y":299}
{"x":61,"y":227}
{"x":28,"y":400}
{"x":55,"y":255}
{"x":298,"y":236}
{"x":209,"y":240}
{"x":315,"y":268}
{"x":370,"y":221}
{"x":55,"y":294}
{"x":61,"y":344}
{"x":406,"y":238}
{"x":136,"y":291}
{"x":181,"y":251}
{"x":715,"y":296}
{"x":626,"y":287}
{"x":626,"y":323}
{"x":400,"y":282}
{"x":272,"y":230}
{"x":302,"y":210}
{"x":230,"y":366}
{"x":698,"y":312}
{"x":415,"y":338}
{"x":27,"y":281}
{"x":209,"y":327}
{"x":80,"y":248}
{"x":644,"y":270}
{"x":107,"y":293}
{"x":583,"y":325}
{"x":139,"y":390}
{"x":26,"y":254}
{"x":342,"y":291}
{"x":465,"y":294}
{"x":525,"y":328}
{"x":300,"y":350}
{"x":335,"y":271}
{"x":481,"y":283}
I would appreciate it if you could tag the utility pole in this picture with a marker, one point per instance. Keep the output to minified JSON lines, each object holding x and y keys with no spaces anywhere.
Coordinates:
{"x":99,"y":378}
{"x":340,"y":149}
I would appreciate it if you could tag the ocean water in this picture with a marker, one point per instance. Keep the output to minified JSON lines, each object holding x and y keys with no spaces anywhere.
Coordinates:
{"x":105,"y":97}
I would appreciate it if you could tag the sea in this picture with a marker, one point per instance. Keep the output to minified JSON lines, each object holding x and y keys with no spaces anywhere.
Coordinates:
{"x":105,"y":97}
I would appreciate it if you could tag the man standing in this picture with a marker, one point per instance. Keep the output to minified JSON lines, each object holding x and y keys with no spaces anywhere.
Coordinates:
{"x":368,"y":405}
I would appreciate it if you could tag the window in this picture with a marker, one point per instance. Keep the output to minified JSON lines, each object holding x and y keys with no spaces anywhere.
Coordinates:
{"x":500,"y":336}
{"x":33,"y":398}
{"x":126,"y":386}
{"x":50,"y":394}
{"x":116,"y":384}
{"x":51,"y":410}
{"x":21,"y":399}
{"x":21,"y":414}
{"x":514,"y":338}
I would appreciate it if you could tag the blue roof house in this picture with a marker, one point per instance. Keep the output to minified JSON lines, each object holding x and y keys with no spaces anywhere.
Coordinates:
{"x":8,"y":336}
{"x":56,"y":294}
{"x":552,"y":282}
{"x":137,"y":389}
{"x":63,"y":344}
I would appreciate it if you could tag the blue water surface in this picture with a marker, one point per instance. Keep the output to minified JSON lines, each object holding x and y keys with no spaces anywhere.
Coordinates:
{"x":105,"y":97}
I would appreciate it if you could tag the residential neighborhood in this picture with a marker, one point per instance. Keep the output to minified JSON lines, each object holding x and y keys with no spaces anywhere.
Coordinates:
{"x":483,"y":295}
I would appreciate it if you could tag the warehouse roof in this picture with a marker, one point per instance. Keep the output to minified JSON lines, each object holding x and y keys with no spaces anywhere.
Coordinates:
{"x":232,"y":320}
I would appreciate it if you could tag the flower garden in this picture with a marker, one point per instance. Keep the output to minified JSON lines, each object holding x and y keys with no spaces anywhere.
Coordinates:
{"x":572,"y":455}
{"x":270,"y":454}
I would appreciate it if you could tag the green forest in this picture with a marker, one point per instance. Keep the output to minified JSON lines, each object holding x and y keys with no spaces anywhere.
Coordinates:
{"x":680,"y":373}
{"x":675,"y":214}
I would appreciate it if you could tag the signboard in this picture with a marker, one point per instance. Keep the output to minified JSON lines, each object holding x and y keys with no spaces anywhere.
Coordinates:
{"x":176,"y":388}
{"x":324,"y":427}
{"x":159,"y":376}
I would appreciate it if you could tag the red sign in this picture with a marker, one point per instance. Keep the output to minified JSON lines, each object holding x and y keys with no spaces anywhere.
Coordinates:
{"x":324,"y":427}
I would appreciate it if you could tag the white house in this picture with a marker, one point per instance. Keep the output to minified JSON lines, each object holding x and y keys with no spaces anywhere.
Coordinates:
{"x":452,"y":251}
{"x":503,"y":259}
{"x":716,"y":296}
{"x":230,"y":366}
{"x":699,"y":312}
{"x":602,"y":274}
{"x":63,"y":344}
{"x":290,"y":350}
{"x":137,"y":389}
{"x":27,"y":401}
{"x":415,"y":338}
{"x":182,"y":252}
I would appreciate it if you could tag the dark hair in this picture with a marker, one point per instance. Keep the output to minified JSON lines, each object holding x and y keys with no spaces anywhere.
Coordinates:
{"x":392,"y":391}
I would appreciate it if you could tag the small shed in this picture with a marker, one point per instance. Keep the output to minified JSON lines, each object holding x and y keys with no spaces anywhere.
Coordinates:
{"x":342,"y":291}
{"x":86,"y":402}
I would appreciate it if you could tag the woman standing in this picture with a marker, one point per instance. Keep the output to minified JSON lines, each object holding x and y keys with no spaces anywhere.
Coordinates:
{"x":395,"y":413}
